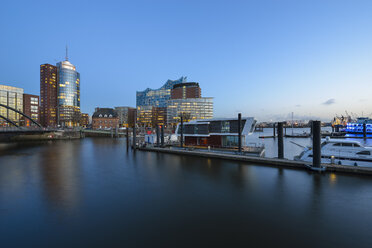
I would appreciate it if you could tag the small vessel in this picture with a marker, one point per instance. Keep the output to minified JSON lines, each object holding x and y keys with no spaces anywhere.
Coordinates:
{"x":341,"y":152}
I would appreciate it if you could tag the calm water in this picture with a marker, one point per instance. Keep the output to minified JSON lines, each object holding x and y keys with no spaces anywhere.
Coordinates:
{"x":92,"y":193}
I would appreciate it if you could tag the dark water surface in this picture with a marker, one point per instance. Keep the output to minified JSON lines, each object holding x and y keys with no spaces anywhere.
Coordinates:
{"x":93,"y":193}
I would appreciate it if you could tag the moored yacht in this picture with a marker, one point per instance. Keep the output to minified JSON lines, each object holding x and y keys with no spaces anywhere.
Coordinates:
{"x":341,"y":152}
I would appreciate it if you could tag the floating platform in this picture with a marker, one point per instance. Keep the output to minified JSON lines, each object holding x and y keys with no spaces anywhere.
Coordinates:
{"x":285,"y":163}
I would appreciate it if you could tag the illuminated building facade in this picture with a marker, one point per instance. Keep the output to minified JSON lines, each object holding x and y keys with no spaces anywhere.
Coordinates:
{"x":84,"y":121}
{"x":48,"y":95}
{"x":126,"y":116}
{"x":30,"y":108}
{"x":159,"y":116}
{"x":158,"y":97}
{"x":193,"y":108}
{"x":166,"y":104}
{"x":144,"y":116}
{"x":152,"y":104}
{"x":68,"y":91}
{"x":12,"y":97}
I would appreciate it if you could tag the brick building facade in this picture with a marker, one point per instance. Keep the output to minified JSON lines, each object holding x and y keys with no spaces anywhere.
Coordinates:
{"x":30,"y":108}
{"x":48,"y":95}
{"x":186,"y":90}
{"x":105,"y":118}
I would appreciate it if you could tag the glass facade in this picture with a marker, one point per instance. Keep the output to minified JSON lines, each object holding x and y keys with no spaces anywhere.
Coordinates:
{"x":158,"y":97}
{"x":195,"y":108}
{"x":12,"y":97}
{"x":231,"y":140}
{"x":68,"y":94}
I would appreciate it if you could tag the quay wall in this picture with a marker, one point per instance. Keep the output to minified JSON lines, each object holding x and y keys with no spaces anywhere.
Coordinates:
{"x":273,"y":162}
{"x":11,"y":137}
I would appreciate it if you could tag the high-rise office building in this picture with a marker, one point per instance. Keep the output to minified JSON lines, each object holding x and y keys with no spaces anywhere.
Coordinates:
{"x":12,"y":97}
{"x":59,"y":94}
{"x":68,"y":91}
{"x":48,"y":95}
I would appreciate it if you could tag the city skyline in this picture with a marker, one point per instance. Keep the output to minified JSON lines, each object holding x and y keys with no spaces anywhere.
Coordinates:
{"x":264,"y":59}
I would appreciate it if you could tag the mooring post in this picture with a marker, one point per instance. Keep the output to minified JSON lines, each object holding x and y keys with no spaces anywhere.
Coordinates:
{"x":280,"y":140}
{"x":274,"y":126}
{"x":127,"y":137}
{"x":134,"y":131}
{"x":316,"y":144}
{"x":364,"y":130}
{"x":285,"y":130}
{"x":181,"y":132}
{"x":157,"y":136}
{"x":239,"y":133}
{"x":162,"y":135}
{"x":134,"y":137}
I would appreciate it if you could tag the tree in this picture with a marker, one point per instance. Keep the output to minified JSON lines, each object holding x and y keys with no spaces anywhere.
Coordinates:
{"x":185,"y":115}
{"x":76,"y":117}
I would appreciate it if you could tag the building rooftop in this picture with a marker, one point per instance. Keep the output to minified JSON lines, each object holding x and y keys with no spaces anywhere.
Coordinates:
{"x":105,"y":112}
{"x":189,"y":84}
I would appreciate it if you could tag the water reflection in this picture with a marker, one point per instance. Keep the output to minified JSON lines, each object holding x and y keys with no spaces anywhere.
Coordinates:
{"x":138,"y":199}
{"x":61,"y":174}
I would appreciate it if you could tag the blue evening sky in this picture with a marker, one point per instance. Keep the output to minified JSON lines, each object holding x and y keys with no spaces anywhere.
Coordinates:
{"x":262,"y":58}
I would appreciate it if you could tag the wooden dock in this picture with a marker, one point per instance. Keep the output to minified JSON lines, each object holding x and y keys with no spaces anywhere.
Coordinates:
{"x":285,"y":163}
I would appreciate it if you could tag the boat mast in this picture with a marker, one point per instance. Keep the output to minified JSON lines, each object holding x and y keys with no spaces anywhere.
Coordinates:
{"x":292,"y":123}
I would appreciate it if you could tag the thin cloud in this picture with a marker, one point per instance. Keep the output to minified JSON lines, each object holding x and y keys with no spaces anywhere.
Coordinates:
{"x":329,"y":102}
{"x":298,"y":105}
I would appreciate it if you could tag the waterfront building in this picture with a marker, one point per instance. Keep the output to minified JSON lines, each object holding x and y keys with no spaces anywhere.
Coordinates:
{"x":186,"y":90}
{"x":144,"y":116}
{"x":105,"y":118}
{"x":175,"y":98}
{"x":48,"y":95}
{"x":68,"y":91}
{"x":150,"y":116}
{"x":222,"y":132}
{"x":157,"y":97}
{"x":193,"y":108}
{"x":30,"y":108}
{"x":159,"y":116}
{"x":126,"y":116}
{"x":12,"y":97}
{"x":84,"y":120}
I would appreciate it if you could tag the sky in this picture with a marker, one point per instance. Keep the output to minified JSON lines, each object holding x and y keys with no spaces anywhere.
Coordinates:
{"x":262,"y":58}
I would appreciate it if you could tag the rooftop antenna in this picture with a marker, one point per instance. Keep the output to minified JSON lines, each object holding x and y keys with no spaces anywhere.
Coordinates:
{"x":66,"y":53}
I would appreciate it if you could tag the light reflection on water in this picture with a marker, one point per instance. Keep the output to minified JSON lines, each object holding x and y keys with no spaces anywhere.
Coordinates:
{"x":93,"y":192}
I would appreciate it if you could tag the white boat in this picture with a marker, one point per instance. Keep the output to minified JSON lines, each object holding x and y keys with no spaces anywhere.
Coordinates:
{"x":341,"y":152}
